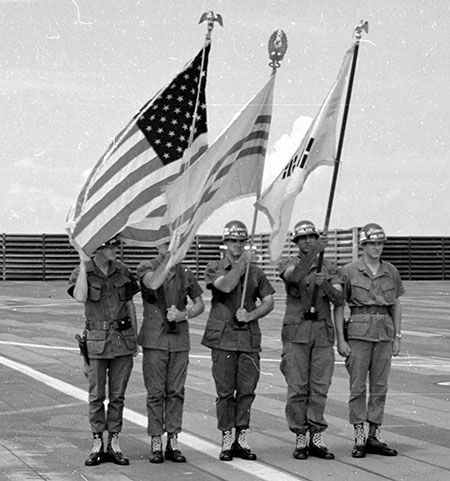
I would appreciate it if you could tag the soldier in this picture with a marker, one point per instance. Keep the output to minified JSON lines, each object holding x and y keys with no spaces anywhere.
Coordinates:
{"x":234,"y":337}
{"x":164,"y":337}
{"x":372,"y":288}
{"x":307,"y":360}
{"x":106,"y":287}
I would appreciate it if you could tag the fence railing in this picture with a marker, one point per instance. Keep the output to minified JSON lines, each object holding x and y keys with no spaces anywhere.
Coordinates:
{"x":51,"y":256}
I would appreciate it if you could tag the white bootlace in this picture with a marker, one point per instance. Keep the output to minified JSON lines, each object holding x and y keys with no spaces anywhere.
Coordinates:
{"x":317,"y":441}
{"x":114,"y":443}
{"x":227,"y":440}
{"x":97,"y":444}
{"x":242,"y":439}
{"x":301,"y":441}
{"x":173,"y":441}
{"x":360,"y":437}
{"x":377,"y":435}
{"x":156,"y":443}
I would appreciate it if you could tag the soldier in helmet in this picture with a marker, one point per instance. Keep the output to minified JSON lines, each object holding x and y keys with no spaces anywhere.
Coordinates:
{"x":106,"y":288}
{"x":371,"y":337}
{"x":307,"y":360}
{"x":234,"y":337}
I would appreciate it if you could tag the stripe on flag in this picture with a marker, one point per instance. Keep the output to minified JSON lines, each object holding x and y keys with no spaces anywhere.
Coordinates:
{"x":230,"y":169}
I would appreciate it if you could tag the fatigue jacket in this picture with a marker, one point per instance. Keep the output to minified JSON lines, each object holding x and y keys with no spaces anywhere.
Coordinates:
{"x":221,"y":331}
{"x":298,"y":301}
{"x":361,"y":288}
{"x":175,"y":290}
{"x":104,"y":306}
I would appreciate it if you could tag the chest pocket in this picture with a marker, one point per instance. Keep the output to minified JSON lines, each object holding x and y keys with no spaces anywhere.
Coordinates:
{"x":120,"y":283}
{"x":361,"y":290}
{"x":388,"y":288}
{"x":95,"y":289}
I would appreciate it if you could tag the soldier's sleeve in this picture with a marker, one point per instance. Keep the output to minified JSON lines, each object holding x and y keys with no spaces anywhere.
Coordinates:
{"x":282,"y":266}
{"x":72,"y":281}
{"x":212,"y":272}
{"x":400,"y":289}
{"x":132,"y":286}
{"x":143,"y":268}
{"x":265,"y":287}
{"x":334,"y":274}
{"x":194,"y":289}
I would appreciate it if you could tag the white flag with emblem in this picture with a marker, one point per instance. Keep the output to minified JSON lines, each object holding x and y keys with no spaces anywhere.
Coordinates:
{"x":317,"y":148}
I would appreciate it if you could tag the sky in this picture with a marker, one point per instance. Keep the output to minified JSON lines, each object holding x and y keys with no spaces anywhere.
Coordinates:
{"x":74,"y":72}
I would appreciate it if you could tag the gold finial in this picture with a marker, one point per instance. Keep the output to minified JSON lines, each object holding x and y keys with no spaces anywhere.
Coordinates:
{"x":359,"y":28}
{"x":277,"y":48}
{"x":210,"y":17}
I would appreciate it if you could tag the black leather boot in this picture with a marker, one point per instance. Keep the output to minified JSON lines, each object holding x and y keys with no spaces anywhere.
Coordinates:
{"x":97,"y":452}
{"x":113,"y":451}
{"x":173,"y":453}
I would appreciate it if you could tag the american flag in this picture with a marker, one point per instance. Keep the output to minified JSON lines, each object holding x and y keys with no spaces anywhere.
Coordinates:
{"x":124,"y":193}
{"x":230,"y":169}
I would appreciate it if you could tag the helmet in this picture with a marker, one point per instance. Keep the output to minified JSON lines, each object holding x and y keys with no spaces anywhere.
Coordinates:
{"x":372,"y":233}
{"x":302,"y":228}
{"x":235,"y":229}
{"x":113,"y":242}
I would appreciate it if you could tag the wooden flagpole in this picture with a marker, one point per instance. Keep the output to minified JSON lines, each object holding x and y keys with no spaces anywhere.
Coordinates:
{"x":312,"y":313}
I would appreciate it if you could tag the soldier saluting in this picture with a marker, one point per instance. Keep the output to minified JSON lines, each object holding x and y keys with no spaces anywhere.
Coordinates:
{"x":106,"y":288}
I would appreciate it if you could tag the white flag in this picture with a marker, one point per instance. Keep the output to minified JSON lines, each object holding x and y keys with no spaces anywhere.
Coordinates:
{"x":317,"y":148}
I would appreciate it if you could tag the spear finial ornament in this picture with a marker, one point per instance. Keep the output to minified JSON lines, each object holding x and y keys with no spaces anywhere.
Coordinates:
{"x":211,"y":17}
{"x":359,"y":29}
{"x":277,"y":48}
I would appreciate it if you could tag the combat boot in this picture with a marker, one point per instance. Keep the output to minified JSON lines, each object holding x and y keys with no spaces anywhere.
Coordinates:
{"x":172,"y":451}
{"x":227,"y":446}
{"x":97,"y":452}
{"x":318,"y":448}
{"x":376,"y":445}
{"x":156,"y":456}
{"x":114,"y":452}
{"x":301,"y":447}
{"x":241,"y":449}
{"x":359,"y":449}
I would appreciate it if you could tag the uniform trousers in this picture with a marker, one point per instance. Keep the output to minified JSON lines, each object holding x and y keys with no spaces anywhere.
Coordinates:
{"x":236,"y":376}
{"x":307,"y":369}
{"x":116,"y":373}
{"x":372,"y":359}
{"x":164,"y":378}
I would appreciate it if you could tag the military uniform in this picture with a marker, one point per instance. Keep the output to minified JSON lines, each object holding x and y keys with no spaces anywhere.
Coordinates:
{"x":165,"y":348}
{"x":307,"y":360}
{"x":111,"y":341}
{"x":370,"y":332}
{"x":235,"y":349}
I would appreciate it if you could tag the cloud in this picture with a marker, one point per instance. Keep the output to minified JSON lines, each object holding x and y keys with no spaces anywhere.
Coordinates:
{"x":284,"y":148}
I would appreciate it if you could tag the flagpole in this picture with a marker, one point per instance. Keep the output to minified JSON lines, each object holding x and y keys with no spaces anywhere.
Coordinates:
{"x":312,"y":313}
{"x":277,"y":48}
{"x":211,"y":18}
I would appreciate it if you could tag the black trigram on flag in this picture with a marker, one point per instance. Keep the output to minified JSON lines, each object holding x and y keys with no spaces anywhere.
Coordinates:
{"x":297,"y":160}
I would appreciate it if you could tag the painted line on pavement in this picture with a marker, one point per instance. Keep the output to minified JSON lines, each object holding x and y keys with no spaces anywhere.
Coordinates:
{"x":254,"y":468}
{"x":40,"y":346}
